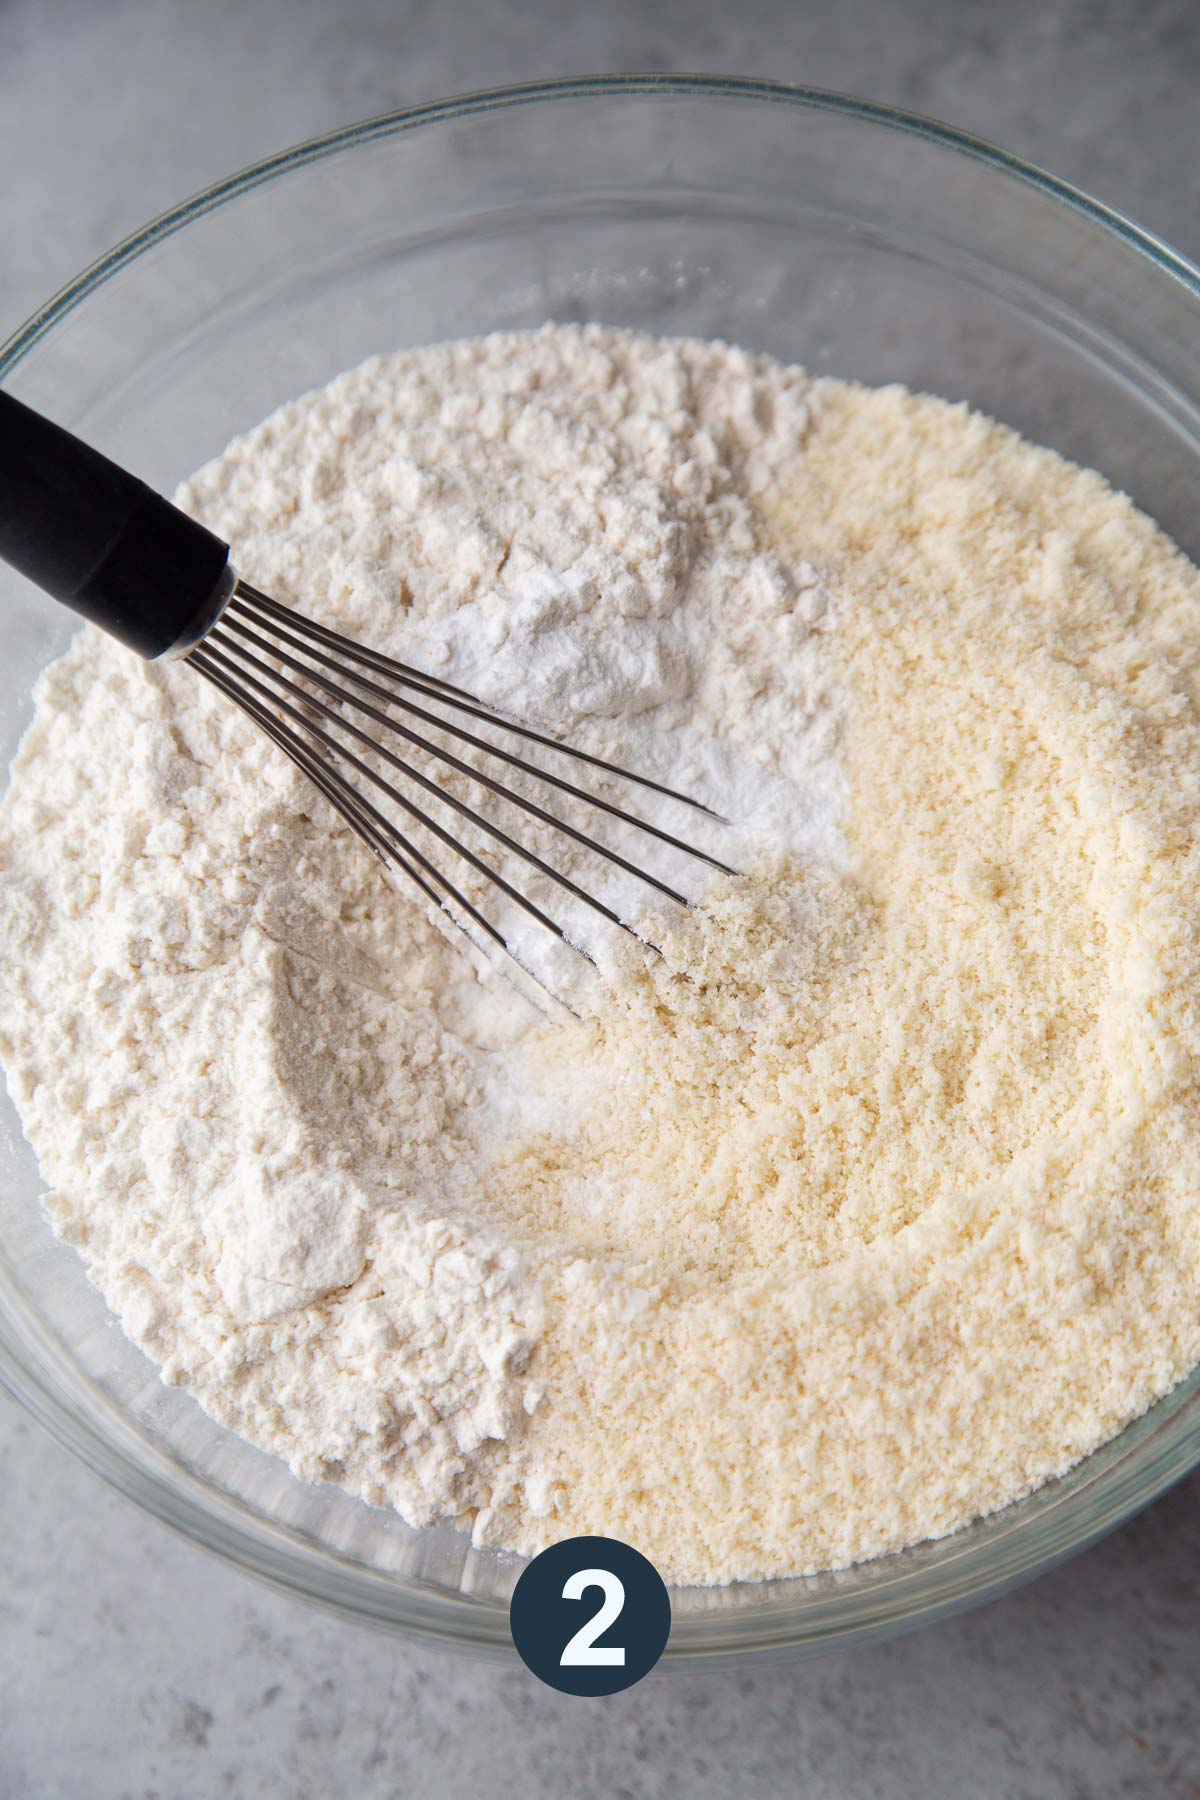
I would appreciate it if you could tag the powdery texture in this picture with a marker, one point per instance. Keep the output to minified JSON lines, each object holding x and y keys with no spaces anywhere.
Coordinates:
{"x":258,"y":1081}
{"x":867,"y":1208}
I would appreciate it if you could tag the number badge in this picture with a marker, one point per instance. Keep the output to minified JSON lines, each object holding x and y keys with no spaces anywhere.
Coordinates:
{"x":590,"y":1616}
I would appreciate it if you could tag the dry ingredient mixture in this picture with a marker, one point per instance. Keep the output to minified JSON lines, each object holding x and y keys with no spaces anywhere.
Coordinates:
{"x":867,"y":1208}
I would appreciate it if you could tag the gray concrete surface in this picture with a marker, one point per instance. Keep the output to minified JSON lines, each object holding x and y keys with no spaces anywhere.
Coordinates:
{"x":133,"y":1667}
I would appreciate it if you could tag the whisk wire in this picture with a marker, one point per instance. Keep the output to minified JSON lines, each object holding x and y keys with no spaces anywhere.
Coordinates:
{"x":376,"y":830}
{"x":452,"y":696}
{"x":269,"y":660}
{"x":329,"y":743}
{"x":454,"y":762}
{"x":249,"y":599}
{"x":476,"y":742}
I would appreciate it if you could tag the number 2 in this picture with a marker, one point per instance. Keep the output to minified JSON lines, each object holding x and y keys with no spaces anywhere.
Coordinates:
{"x":583,"y":1650}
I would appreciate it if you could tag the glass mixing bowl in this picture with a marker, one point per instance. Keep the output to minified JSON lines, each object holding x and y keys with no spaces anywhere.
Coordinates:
{"x":852,"y":238}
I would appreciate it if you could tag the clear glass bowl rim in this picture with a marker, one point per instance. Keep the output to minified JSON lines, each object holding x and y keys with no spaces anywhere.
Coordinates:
{"x":979,"y":1570}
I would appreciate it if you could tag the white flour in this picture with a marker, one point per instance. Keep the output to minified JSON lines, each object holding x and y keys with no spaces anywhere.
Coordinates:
{"x":868,"y":1207}
{"x":254,"y":1076}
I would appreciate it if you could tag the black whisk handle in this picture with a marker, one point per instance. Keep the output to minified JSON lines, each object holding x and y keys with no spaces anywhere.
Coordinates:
{"x":102,"y":542}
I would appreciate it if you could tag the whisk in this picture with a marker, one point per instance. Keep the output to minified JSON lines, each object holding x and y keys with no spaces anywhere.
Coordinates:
{"x":366,"y":730}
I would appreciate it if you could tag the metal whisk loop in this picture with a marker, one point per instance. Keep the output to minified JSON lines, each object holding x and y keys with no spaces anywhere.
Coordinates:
{"x":248,"y":598}
{"x":298,"y":681}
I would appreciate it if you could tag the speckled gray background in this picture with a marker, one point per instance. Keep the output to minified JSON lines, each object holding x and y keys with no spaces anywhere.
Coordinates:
{"x":132,"y":1666}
